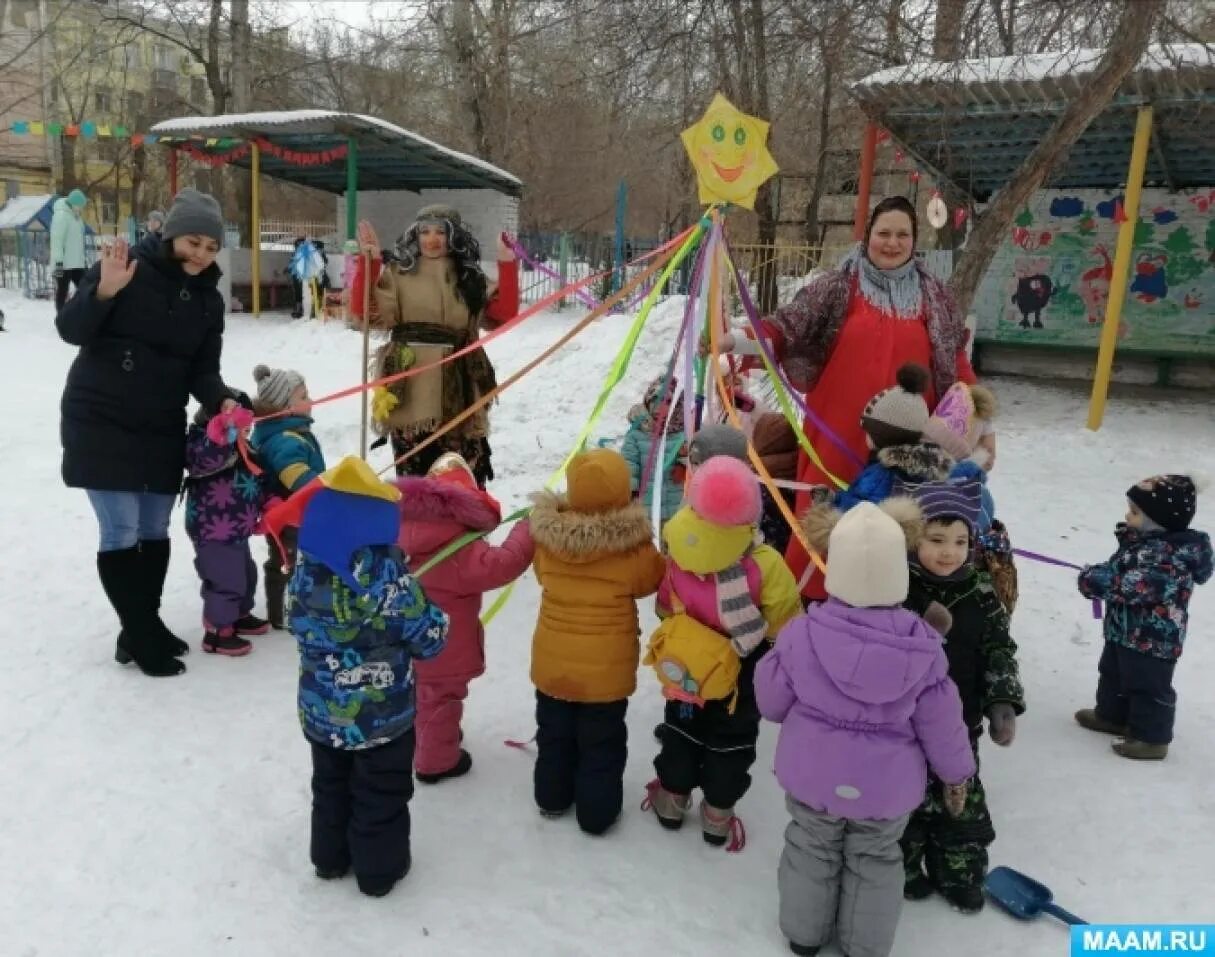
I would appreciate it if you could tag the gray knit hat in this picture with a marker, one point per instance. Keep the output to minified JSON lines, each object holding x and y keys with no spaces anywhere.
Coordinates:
{"x":157,"y":215}
{"x":437,"y":213}
{"x":274,"y":387}
{"x":899,"y":415}
{"x":717,"y":439}
{"x":194,"y":214}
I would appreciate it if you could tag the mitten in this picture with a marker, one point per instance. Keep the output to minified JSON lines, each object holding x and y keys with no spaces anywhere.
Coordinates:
{"x":938,"y":617}
{"x":955,"y":798}
{"x":382,"y":403}
{"x":1003,"y":723}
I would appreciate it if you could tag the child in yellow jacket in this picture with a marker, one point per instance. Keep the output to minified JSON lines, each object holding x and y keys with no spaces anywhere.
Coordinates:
{"x":595,"y":556}
{"x":720,"y":576}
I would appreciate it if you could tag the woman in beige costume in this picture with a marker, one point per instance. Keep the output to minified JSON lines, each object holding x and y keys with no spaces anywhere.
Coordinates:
{"x":433,"y":298}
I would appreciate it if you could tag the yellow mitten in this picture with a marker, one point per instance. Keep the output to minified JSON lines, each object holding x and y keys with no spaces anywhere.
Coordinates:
{"x":382,"y":403}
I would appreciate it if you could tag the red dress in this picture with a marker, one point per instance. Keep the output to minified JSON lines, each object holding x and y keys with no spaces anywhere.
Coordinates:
{"x":871,"y":347}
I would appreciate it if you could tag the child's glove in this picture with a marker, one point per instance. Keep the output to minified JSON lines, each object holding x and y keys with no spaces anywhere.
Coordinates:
{"x":226,"y":426}
{"x":382,"y":403}
{"x":938,"y":617}
{"x":955,"y":798}
{"x":1003,"y":723}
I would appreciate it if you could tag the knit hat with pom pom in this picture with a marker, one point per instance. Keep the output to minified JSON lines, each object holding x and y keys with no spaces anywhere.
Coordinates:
{"x":274,"y":387}
{"x":725,"y":492}
{"x":898,"y":415}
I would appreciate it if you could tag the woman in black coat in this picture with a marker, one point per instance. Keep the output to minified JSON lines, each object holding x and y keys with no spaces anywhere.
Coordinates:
{"x":150,"y":330}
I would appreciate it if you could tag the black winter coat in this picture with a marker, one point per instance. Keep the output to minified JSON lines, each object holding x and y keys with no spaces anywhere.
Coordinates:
{"x":982,"y":654}
{"x":142,"y":354}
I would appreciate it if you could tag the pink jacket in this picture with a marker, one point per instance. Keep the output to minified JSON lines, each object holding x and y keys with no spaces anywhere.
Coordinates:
{"x":433,"y":513}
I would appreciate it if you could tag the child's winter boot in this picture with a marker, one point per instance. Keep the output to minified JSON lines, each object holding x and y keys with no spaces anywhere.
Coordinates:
{"x":224,"y":641}
{"x":720,"y":825}
{"x":803,"y":950}
{"x":332,"y":873}
{"x":462,"y":766}
{"x":965,"y":898}
{"x":668,"y":807}
{"x":1140,"y":750}
{"x":251,"y":625}
{"x":916,"y":887}
{"x":1090,"y":719}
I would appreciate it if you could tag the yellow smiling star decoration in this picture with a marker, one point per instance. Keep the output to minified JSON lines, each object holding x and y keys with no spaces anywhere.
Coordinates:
{"x":729,"y":150}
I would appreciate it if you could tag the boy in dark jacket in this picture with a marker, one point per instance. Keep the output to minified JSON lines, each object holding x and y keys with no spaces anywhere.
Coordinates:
{"x":292,"y":457}
{"x":943,"y":853}
{"x":360,"y":619}
{"x":1146,"y":586}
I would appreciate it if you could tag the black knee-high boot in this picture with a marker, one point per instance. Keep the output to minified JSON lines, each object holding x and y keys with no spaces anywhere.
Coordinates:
{"x":121,"y":576}
{"x":154,"y":555}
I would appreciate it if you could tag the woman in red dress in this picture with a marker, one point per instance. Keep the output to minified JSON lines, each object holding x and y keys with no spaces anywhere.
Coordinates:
{"x":845,"y":335}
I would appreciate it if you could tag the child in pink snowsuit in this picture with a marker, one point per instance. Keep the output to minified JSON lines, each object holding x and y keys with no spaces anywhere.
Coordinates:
{"x":435,"y":510}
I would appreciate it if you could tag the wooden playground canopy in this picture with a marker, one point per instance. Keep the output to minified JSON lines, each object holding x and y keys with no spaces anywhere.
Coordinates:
{"x":326,"y":150}
{"x":972,"y":123}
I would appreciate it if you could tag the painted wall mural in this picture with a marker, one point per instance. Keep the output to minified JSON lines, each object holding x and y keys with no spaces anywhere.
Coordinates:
{"x":1050,"y":282}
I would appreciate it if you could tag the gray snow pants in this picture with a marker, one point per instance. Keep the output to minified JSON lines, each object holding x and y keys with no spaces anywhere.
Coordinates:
{"x":842,"y":875}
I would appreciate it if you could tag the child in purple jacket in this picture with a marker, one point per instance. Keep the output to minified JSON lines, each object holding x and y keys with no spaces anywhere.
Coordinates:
{"x":224,"y":503}
{"x":861,"y":689}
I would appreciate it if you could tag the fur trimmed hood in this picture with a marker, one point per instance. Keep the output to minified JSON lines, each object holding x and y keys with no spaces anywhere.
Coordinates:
{"x":819,"y":522}
{"x":586,"y":536}
{"x":427,"y":500}
{"x":923,"y":461}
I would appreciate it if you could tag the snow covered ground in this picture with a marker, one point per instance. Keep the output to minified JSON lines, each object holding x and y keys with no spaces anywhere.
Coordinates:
{"x":153,"y":817}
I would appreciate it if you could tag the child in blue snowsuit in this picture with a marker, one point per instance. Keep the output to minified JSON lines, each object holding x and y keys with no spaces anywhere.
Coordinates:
{"x":360,"y":619}
{"x":660,"y":408}
{"x":292,"y":457}
{"x":1146,"y":586}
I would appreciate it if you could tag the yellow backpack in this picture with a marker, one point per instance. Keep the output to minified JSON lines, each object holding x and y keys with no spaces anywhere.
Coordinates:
{"x":694,"y":663}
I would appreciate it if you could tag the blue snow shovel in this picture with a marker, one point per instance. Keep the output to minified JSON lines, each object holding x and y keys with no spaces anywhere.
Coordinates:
{"x":1023,"y":896}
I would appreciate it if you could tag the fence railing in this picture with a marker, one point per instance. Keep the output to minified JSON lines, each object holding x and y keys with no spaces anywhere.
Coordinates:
{"x":283,"y":233}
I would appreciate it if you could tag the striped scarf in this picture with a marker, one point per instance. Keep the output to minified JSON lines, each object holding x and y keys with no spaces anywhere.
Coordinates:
{"x":737,"y":610}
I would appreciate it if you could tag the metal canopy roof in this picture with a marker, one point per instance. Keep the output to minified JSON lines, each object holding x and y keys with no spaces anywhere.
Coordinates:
{"x":388,"y":156}
{"x":973,"y":122}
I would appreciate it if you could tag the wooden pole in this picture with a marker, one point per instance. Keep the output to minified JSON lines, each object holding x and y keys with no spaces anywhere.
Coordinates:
{"x":363,"y":397}
{"x":865,"y":185}
{"x":255,"y":227}
{"x":1122,"y":268}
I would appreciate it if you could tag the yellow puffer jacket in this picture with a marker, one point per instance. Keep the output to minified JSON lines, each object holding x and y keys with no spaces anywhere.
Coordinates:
{"x":595,"y":557}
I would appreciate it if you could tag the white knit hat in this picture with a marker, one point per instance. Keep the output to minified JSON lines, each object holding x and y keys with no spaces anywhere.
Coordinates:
{"x":867,"y":559}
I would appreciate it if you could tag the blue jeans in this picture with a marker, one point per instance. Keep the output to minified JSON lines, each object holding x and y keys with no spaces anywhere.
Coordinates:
{"x":128,"y":518}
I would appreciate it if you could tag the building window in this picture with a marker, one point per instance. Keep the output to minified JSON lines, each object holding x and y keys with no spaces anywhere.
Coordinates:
{"x":54,"y":91}
{"x":134,"y":105}
{"x":102,"y":101}
{"x":165,"y":57}
{"x":134,"y":56}
{"x":198,"y":90}
{"x":12,"y":188}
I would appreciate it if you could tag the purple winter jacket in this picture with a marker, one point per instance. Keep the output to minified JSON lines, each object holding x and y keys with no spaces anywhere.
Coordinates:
{"x":863,"y":697}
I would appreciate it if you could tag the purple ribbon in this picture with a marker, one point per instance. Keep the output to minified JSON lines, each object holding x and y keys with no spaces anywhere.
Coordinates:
{"x":1058,"y":563}
{"x":582,"y":295}
{"x":753,"y":317}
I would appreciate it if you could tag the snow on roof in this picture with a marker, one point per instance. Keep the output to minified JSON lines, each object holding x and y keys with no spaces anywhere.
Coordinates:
{"x":312,"y":121}
{"x":1037,"y":66}
{"x":19,"y":210}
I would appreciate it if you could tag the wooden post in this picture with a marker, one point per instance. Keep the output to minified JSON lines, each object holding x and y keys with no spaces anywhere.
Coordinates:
{"x":255,"y":230}
{"x":364,"y":399}
{"x":865,"y":184}
{"x":172,"y":172}
{"x":352,"y":187}
{"x":1122,"y":268}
